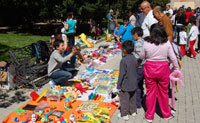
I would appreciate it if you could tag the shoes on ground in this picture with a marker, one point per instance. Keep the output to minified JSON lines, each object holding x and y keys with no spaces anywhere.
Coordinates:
{"x":134,"y":114}
{"x":126,"y":118}
{"x":149,"y":121}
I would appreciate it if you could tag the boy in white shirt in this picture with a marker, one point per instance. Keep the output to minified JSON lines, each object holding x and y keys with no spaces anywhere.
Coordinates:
{"x":193,"y":34}
{"x":183,"y":40}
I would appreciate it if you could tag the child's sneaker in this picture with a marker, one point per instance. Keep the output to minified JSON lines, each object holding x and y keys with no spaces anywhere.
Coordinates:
{"x":123,"y":117}
{"x":149,"y":121}
{"x":52,"y":84}
{"x":134,"y":114}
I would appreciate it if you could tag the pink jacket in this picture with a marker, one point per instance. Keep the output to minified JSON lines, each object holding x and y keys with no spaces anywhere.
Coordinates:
{"x":152,"y":52}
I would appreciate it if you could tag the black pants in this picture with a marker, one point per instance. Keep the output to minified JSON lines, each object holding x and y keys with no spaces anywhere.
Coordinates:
{"x":178,"y":28}
{"x":140,"y":89}
{"x":199,"y":42}
{"x":71,"y":40}
{"x":127,"y":103}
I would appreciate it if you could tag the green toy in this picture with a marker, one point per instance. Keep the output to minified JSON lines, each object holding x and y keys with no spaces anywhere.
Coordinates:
{"x":19,"y":111}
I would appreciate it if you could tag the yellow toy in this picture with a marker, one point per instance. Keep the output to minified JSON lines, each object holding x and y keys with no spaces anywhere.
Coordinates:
{"x":40,"y":97}
{"x":84,"y":39}
{"x":71,"y":95}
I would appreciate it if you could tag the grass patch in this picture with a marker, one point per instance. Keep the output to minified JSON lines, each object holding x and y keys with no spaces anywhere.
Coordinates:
{"x":12,"y":41}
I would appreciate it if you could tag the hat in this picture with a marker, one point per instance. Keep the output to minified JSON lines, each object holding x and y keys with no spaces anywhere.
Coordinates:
{"x":111,"y":10}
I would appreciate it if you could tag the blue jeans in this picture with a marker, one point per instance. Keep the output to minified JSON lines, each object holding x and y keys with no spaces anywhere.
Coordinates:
{"x":61,"y":76}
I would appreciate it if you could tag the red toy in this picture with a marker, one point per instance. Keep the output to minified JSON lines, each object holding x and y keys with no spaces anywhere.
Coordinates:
{"x":34,"y":95}
{"x":113,"y":103}
{"x":80,"y":88}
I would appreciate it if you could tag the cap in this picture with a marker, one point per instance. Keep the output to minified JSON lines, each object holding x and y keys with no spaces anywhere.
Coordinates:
{"x":111,"y":10}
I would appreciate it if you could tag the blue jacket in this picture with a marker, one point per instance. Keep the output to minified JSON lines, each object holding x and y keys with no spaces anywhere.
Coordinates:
{"x":126,"y":33}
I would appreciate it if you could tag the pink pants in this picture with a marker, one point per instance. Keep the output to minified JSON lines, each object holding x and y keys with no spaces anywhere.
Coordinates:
{"x":157,"y":82}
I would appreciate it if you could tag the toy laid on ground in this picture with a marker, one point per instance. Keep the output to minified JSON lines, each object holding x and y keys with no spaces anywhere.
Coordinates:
{"x":40,"y":97}
{"x":87,"y":106}
{"x":79,"y":55}
{"x":108,"y":37}
{"x":72,"y":118}
{"x":99,"y":115}
{"x":67,"y":104}
{"x":80,"y":88}
{"x":84,"y":39}
{"x":19,"y":111}
{"x":96,"y":97}
{"x":54,"y":94}
{"x":102,"y":79}
{"x":102,"y":89}
{"x":175,"y":76}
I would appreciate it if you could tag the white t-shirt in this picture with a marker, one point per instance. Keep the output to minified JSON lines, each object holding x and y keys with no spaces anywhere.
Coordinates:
{"x":193,"y":34}
{"x":132,"y":20}
{"x":169,"y":11}
{"x":183,"y":37}
{"x":148,"y":21}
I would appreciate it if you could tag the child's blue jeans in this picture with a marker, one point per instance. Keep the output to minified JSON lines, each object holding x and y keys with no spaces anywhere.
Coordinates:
{"x":61,"y":76}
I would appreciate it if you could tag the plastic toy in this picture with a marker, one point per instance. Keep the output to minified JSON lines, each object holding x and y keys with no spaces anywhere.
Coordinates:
{"x":19,"y":111}
{"x":79,"y":88}
{"x":71,"y":95}
{"x":16,"y":119}
{"x":54,"y":94}
{"x":84,"y":39}
{"x":96,"y":97}
{"x":40,"y":97}
{"x":34,"y":95}
{"x":39,"y":109}
{"x":33,"y":118}
{"x":67,"y":104}
{"x":27,"y":121}
{"x":46,"y":115}
{"x":72,"y":118}
{"x":175,"y":76}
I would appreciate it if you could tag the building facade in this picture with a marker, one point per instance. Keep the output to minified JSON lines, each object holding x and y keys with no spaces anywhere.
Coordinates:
{"x":186,"y":3}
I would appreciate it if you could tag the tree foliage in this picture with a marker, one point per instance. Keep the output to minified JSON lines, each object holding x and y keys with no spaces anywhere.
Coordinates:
{"x":28,"y":11}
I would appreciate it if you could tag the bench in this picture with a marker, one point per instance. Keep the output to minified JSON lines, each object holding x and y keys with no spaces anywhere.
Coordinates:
{"x":30,"y":63}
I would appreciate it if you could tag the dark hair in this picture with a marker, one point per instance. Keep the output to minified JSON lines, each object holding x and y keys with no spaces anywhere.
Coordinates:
{"x":125,"y":18}
{"x":128,"y":46}
{"x":137,"y":30}
{"x":56,"y":43}
{"x":158,"y":8}
{"x":58,"y":30}
{"x":183,"y":28}
{"x":189,"y":9}
{"x":157,"y":34}
{"x":70,"y":15}
{"x":192,"y":19}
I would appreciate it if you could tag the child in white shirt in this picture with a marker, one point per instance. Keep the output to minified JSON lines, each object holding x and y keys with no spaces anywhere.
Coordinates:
{"x":183,"y":40}
{"x":193,"y":34}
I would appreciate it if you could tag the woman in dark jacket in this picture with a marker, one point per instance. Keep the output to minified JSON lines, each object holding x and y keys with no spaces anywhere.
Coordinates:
{"x":180,"y":20}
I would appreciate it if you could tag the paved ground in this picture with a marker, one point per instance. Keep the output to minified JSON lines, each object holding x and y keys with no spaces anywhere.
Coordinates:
{"x":187,"y":104}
